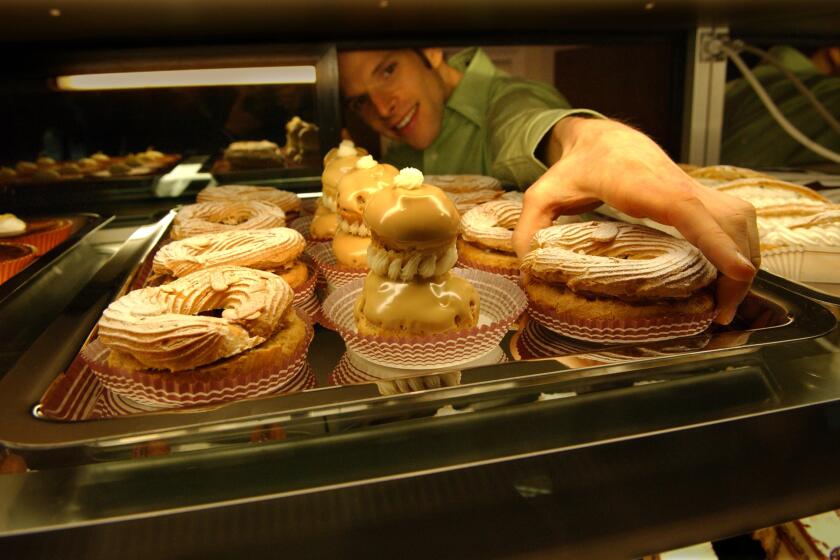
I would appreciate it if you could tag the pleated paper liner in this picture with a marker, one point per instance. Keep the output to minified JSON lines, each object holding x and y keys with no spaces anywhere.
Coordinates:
{"x":346,"y":373}
{"x":305,"y":298}
{"x":10,"y":267}
{"x":534,"y":341}
{"x":501,"y":303}
{"x":112,"y":404}
{"x":621,"y":331}
{"x":335,"y":275}
{"x":158,"y":388}
{"x":804,"y":264}
{"x":301,"y":225}
{"x":511,"y":274}
{"x":45,"y":239}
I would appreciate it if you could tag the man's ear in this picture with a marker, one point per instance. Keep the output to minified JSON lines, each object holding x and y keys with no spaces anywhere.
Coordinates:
{"x":434,"y":55}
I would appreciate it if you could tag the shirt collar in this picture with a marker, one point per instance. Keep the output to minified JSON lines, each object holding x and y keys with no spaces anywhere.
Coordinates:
{"x":472,"y":93}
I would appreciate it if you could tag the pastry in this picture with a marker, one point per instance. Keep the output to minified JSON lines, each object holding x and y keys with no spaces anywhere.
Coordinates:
{"x":46,"y":233}
{"x":289,"y":202}
{"x":337,"y":163}
{"x":275,"y":250}
{"x":821,"y":229}
{"x":409,"y":291}
{"x":467,"y":191}
{"x":251,"y":154}
{"x":14,"y":257}
{"x":212,"y":217}
{"x":11,"y":225}
{"x":302,"y":142}
{"x":617,"y":282}
{"x":212,"y":333}
{"x":352,"y":237}
{"x":717,"y":174}
{"x":486,"y":237}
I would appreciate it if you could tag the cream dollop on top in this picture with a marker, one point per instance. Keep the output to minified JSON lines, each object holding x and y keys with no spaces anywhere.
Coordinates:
{"x":619,"y":260}
{"x":409,"y":178}
{"x":366,"y":162}
{"x":162,"y":329}
{"x":11,"y":225}
{"x":413,"y":218}
{"x":346,"y":148}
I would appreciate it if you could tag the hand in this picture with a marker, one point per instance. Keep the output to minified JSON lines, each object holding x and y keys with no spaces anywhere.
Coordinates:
{"x":599,"y":161}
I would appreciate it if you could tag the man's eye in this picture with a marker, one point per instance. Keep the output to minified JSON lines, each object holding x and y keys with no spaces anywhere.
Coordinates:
{"x":389,"y":70}
{"x":357,"y":103}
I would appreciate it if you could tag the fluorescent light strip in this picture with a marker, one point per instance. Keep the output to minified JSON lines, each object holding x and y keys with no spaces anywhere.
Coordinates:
{"x":189,"y":78}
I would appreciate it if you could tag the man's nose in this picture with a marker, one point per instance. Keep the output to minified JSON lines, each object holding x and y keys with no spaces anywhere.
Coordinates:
{"x":384,"y":103}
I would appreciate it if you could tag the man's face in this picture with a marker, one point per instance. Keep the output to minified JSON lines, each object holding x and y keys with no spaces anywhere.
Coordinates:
{"x":395,"y":92}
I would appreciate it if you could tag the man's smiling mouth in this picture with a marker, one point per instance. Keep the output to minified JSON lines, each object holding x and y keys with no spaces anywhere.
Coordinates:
{"x":406,"y":119}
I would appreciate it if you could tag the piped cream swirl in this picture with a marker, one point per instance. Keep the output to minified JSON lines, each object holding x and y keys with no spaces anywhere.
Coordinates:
{"x":491,"y":224}
{"x":288,"y":201}
{"x":212,"y":217}
{"x":405,"y":265}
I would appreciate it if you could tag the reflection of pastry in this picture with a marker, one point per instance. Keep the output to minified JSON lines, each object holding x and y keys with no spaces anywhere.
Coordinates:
{"x":45,"y":162}
{"x":467,"y":191}
{"x":212,"y":217}
{"x":26,"y":168}
{"x":617,"y":282}
{"x":7,"y":173}
{"x":352,"y":237}
{"x":486,"y":236}
{"x":275,"y":250}
{"x":258,"y":154}
{"x":177,"y":328}
{"x":338,"y":163}
{"x":289,"y":202}
{"x":302,"y":143}
{"x":409,"y":290}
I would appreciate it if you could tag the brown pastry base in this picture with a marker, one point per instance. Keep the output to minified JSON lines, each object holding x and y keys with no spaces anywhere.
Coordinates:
{"x":558,"y":299}
{"x":471,"y":253}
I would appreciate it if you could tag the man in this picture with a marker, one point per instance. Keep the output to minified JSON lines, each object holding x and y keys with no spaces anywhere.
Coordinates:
{"x":465,"y":116}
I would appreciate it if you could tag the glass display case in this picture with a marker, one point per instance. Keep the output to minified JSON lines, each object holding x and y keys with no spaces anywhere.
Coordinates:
{"x":544,"y":447}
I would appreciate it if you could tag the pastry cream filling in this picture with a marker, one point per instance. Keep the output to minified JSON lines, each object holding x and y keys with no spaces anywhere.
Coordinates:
{"x":423,"y":307}
{"x":822,"y":229}
{"x":403,"y":266}
{"x":353,"y":228}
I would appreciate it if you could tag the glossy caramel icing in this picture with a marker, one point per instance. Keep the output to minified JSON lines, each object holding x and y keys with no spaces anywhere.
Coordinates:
{"x":419,"y":307}
{"x":357,"y":186}
{"x":350,"y":250}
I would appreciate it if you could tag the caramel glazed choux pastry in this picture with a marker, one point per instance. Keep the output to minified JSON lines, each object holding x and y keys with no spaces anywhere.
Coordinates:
{"x":410,"y":291}
{"x":275,"y":250}
{"x":352,"y":237}
{"x":337,"y":163}
{"x":617,"y":273}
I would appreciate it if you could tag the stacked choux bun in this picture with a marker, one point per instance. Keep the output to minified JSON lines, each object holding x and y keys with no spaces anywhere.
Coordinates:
{"x":337,"y":163}
{"x":352,"y":237}
{"x":410,"y":291}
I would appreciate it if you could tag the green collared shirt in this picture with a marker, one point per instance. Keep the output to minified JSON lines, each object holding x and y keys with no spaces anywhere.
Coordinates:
{"x":493,"y":124}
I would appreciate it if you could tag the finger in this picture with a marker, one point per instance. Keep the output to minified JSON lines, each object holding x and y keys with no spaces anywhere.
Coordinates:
{"x":700,"y":228}
{"x":730,"y":293}
{"x":536,"y":214}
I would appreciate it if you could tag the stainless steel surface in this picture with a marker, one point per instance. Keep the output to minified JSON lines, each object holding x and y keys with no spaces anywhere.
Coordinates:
{"x":336,"y":408}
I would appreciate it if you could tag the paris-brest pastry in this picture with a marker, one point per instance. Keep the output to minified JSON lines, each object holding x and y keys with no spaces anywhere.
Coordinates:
{"x":410,"y":291}
{"x":352,"y":237}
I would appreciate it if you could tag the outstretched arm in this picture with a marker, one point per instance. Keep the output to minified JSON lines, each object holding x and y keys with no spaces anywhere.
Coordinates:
{"x":595,"y":160}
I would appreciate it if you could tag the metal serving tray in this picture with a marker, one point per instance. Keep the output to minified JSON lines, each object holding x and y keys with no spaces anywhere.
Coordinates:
{"x":772,"y":315}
